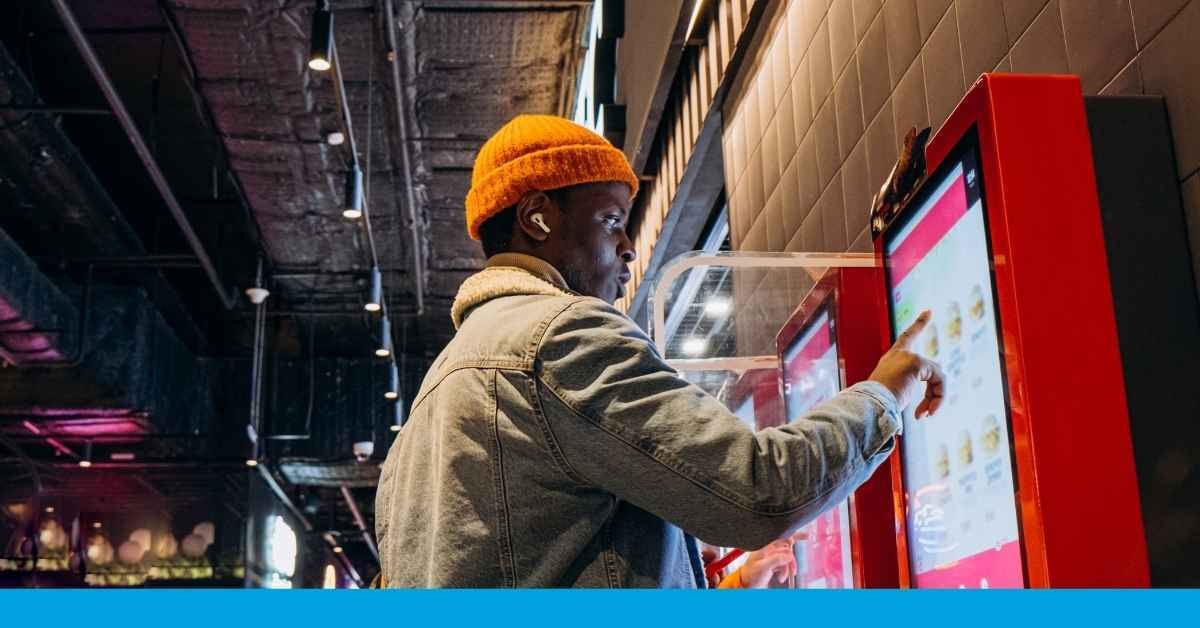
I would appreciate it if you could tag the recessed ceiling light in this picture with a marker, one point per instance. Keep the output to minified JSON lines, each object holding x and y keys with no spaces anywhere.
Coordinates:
{"x":694,"y":346}
{"x":716,"y":307}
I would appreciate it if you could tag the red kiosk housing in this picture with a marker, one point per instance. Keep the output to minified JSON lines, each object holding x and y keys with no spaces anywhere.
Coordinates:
{"x":831,"y":341}
{"x":1026,"y":477}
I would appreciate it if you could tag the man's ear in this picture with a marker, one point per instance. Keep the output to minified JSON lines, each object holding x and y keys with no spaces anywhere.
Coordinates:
{"x":535,"y":203}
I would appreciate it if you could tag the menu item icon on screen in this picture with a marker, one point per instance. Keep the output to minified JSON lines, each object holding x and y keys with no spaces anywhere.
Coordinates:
{"x":991,"y":434}
{"x":976,"y":310}
{"x":966,"y":451}
{"x":954,"y":326}
{"x":942,"y":464}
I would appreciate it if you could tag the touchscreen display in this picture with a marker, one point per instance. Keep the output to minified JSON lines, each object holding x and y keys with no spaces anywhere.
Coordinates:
{"x":810,"y":367}
{"x":811,"y":375}
{"x":958,"y":474}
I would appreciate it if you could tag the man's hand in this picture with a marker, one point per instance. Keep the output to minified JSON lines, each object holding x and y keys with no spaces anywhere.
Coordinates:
{"x":905,"y":373}
{"x":774,"y":563}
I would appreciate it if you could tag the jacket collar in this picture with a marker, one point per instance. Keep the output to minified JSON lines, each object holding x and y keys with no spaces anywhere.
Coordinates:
{"x":507,"y":274}
{"x":535,"y":266}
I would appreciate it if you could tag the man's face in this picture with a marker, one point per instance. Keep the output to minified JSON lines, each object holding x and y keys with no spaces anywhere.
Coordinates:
{"x":593,"y":250}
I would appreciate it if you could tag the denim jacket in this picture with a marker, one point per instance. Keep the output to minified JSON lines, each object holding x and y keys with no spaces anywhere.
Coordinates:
{"x":551,"y":446}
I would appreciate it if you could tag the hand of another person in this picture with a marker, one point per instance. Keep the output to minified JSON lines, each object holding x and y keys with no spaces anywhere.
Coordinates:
{"x":774,"y":563}
{"x":905,"y":373}
{"x":708,"y":555}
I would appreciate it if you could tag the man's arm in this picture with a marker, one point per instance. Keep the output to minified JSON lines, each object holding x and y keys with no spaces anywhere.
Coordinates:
{"x":624,"y":421}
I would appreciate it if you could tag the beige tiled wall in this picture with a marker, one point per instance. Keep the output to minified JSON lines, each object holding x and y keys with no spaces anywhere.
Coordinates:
{"x":814,"y":122}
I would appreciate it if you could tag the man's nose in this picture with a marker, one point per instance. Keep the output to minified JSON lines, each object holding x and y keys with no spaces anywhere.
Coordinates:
{"x":625,"y":249}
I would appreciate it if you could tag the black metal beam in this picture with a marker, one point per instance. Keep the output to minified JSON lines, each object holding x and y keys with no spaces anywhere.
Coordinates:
{"x":59,"y":109}
{"x":361,"y":522}
{"x":92,"y":61}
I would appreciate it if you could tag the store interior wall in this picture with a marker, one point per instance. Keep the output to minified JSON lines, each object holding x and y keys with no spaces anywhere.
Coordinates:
{"x":813,"y":125}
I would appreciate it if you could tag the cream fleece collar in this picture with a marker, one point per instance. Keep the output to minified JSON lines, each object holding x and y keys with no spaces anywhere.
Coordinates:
{"x":507,"y":274}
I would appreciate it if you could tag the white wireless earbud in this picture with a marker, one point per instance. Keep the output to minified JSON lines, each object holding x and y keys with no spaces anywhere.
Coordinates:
{"x":539,"y":221}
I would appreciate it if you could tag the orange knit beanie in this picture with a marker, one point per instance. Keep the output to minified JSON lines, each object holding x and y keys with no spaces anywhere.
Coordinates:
{"x":534,"y":152}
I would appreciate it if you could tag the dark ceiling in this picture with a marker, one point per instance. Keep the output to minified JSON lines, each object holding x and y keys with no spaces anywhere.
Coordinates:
{"x":220,"y":93}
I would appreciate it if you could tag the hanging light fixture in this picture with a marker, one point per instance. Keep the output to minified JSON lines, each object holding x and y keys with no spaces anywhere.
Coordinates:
{"x":335,"y":138}
{"x":393,"y":390}
{"x":320,"y":56}
{"x":375,"y":301}
{"x":385,"y":338}
{"x":398,"y":417}
{"x":353,"y":208}
{"x":86,"y":460}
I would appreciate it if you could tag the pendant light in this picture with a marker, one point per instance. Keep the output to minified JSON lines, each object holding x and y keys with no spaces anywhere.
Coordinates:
{"x":385,"y":338}
{"x":320,"y":56}
{"x":353,"y":207}
{"x":375,"y":300}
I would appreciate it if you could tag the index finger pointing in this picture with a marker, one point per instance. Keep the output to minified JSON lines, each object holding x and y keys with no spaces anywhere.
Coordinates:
{"x":908,"y":336}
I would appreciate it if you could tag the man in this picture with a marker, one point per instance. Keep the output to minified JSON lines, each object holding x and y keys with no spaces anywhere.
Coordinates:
{"x":550,"y":445}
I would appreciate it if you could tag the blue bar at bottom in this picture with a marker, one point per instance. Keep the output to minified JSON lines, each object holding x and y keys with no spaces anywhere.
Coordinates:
{"x":607,"y":609}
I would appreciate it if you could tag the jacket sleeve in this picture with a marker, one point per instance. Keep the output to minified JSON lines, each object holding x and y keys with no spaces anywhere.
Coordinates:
{"x":621,"y":419}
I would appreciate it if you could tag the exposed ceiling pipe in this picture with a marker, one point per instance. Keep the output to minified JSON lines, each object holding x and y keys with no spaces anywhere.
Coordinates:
{"x":139,"y":145}
{"x":256,"y":370}
{"x":414,"y":224}
{"x":360,"y":522}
